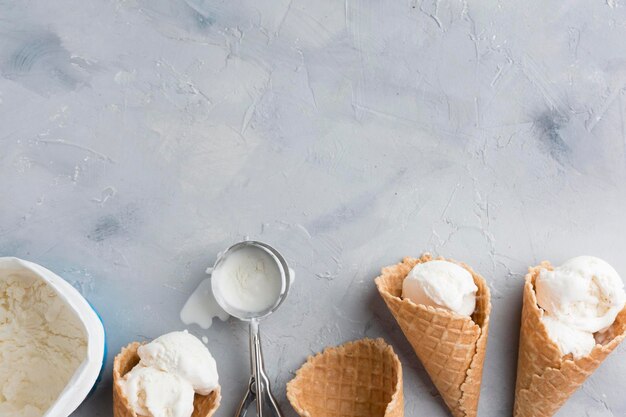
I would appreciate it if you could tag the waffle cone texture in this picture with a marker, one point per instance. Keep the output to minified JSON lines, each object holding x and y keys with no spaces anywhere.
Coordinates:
{"x":451,"y":347}
{"x":203,"y":405}
{"x":546,"y":378}
{"x":358,"y":379}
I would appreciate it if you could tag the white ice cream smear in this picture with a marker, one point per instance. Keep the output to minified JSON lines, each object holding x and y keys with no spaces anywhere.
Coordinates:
{"x":171,"y":368}
{"x":249,"y":280}
{"x":441,"y":284}
{"x":42,"y":344}
{"x":585,"y":294}
{"x":201,"y":307}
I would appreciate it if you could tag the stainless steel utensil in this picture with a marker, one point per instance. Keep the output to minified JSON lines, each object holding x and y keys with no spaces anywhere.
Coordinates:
{"x":258,"y":389}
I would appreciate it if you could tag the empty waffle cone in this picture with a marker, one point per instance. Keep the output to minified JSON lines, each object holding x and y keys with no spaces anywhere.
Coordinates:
{"x":451,"y":347}
{"x":545,"y":378}
{"x":359,"y":379}
{"x":203,"y":405}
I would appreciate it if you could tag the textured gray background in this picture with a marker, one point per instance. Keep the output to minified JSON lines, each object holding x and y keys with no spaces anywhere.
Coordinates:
{"x":138,"y":138}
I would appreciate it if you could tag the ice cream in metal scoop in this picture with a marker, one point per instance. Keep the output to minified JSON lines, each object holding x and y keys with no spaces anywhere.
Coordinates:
{"x":250,"y":281}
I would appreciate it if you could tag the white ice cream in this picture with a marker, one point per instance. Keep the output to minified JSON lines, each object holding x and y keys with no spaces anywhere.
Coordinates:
{"x":42,"y":344}
{"x":171,"y":368}
{"x":182,"y":354}
{"x":441,"y":284}
{"x":156,"y":393}
{"x":248,"y":280}
{"x":584,"y":295}
{"x":569,"y":339}
{"x":202,"y":307}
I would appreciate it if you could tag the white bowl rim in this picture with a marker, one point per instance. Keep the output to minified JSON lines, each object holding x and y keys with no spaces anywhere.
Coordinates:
{"x":86,"y":375}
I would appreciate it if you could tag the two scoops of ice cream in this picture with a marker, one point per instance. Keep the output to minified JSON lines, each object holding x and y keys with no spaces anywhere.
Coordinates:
{"x":580,"y":301}
{"x":175,"y":375}
{"x":573,"y":317}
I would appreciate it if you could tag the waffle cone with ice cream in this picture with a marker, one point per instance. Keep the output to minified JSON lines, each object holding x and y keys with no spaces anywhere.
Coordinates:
{"x":125,"y":361}
{"x":545,"y":377}
{"x":358,"y":379}
{"x":450,"y":346}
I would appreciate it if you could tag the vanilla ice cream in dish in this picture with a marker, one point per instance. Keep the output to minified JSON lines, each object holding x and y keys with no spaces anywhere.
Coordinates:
{"x":51,"y":342}
{"x":441,"y":284}
{"x":580,"y":300}
{"x":171,"y":370}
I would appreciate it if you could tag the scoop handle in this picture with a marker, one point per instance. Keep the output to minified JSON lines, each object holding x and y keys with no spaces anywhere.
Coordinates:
{"x":256,"y":357}
{"x":259,"y":383}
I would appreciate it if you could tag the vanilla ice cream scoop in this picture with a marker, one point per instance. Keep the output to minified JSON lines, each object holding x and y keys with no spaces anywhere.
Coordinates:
{"x":441,"y":284}
{"x":184,"y":355}
{"x":585,"y":293}
{"x":156,"y":393}
{"x":579,"y":298}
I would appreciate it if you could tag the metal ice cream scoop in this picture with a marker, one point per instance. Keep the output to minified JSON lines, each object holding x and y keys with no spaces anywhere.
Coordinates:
{"x":246,"y":270}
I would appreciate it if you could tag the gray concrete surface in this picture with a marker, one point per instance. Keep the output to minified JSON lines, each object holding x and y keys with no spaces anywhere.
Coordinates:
{"x":138,"y":138}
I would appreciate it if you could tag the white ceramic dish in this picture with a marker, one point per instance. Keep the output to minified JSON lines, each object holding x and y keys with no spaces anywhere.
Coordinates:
{"x":87,"y":375}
